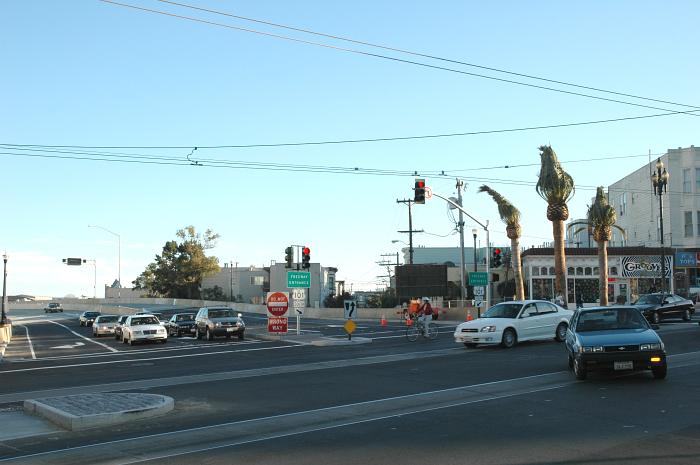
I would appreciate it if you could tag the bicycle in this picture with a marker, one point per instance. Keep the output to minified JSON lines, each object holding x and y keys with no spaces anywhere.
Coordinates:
{"x":416,"y":328}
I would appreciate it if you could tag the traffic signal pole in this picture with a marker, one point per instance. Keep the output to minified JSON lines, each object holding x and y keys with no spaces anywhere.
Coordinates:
{"x":488,"y":243}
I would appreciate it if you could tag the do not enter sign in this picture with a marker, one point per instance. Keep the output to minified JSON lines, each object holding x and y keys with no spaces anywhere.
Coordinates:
{"x":277,"y":303}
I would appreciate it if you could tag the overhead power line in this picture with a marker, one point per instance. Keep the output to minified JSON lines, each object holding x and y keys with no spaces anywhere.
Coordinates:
{"x":422,"y":55}
{"x":401,"y":60}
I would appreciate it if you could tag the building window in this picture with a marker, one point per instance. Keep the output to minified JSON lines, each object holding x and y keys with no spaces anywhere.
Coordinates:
{"x":257,"y":280}
{"x":688,"y":224}
{"x":698,"y":221}
{"x":551,"y":271}
{"x":697,"y":179}
{"x":613,"y":270}
{"x":579,"y":271}
{"x":686,"y":181}
{"x":623,"y":203}
{"x":543,"y":271}
{"x":535,"y":271}
{"x":596,"y":270}
{"x":570,"y":271}
{"x":588,"y":271}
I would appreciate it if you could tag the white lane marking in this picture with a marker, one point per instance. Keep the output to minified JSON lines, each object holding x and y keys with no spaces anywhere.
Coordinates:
{"x":131,"y":360}
{"x":29,"y":340}
{"x":69,"y":346}
{"x":112,"y":349}
{"x":419,"y":409}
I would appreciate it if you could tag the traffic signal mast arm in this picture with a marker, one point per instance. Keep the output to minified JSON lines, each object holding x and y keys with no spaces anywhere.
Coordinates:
{"x":488,"y":246}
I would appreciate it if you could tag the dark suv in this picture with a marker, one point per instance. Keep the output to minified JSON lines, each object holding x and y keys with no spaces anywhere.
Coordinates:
{"x":218,"y":321}
{"x":87,"y":318}
{"x":53,"y":307}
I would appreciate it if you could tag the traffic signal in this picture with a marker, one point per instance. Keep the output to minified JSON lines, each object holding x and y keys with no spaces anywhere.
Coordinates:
{"x":419,"y":191}
{"x":497,"y":258}
{"x":306,"y":258}
{"x":289,"y":257}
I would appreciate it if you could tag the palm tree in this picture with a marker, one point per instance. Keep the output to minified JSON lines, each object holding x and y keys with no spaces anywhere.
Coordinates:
{"x":511,"y":217}
{"x":556,"y":186}
{"x":601,"y":219}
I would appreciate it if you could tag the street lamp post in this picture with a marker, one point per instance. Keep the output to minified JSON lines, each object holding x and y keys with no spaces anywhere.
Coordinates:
{"x":3,"y":316}
{"x":119,"y":256}
{"x":474,"y":231}
{"x":660,"y":180}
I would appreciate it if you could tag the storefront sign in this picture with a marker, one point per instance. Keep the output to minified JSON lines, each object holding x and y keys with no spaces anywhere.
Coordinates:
{"x":684,"y":259}
{"x":645,"y":266}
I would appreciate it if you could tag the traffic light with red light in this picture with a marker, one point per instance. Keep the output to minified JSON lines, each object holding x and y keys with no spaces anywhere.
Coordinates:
{"x":419,"y":191}
{"x":497,"y":259}
{"x":306,"y":258}
{"x":289,"y":257}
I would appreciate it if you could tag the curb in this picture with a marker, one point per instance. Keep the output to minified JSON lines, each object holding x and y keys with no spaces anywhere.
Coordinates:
{"x":62,"y":411}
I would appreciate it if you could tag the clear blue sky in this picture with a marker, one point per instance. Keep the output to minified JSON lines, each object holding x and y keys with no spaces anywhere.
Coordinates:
{"x":88,"y":73}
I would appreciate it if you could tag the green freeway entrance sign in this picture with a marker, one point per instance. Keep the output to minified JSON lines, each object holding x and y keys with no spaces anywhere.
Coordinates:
{"x":478,"y":278}
{"x":298,"y":279}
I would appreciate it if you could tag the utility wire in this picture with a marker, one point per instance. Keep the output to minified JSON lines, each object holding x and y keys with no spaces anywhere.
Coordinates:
{"x":422,"y":55}
{"x":400,"y":60}
{"x":65,"y":155}
{"x":355,"y":141}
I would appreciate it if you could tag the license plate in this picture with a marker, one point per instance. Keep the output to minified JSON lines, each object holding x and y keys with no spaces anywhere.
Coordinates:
{"x":623,"y":365}
{"x":230,"y":330}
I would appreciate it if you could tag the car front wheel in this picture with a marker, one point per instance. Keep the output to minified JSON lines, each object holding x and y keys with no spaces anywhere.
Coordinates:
{"x":470,"y":345}
{"x":509,"y":338}
{"x":209,"y":335}
{"x":686,"y":315}
{"x":579,"y":370}
{"x":659,"y":372}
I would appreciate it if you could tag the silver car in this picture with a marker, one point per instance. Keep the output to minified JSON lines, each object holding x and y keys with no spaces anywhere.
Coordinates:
{"x":104,"y":324}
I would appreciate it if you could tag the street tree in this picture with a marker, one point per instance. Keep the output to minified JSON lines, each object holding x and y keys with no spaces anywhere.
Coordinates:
{"x":600,"y":220}
{"x":511,"y":217}
{"x":556,"y":187}
{"x":182,"y":265}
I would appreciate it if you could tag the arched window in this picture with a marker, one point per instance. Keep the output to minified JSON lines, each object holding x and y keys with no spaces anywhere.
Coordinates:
{"x":551,"y":271}
{"x":570,"y":271}
{"x":579,"y":271}
{"x":588,"y":271}
{"x":543,"y":271}
{"x":596,"y":270}
{"x":535,"y":271}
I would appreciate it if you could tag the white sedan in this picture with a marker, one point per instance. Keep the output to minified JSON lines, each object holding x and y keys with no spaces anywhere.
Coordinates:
{"x":143,"y":327}
{"x":508,"y":323}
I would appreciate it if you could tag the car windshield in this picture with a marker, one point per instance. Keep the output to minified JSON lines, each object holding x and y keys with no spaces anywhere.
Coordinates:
{"x":611,"y":319}
{"x":146,"y":320}
{"x":108,"y":319}
{"x":53,"y":305}
{"x":505,"y":310}
{"x":184,"y":317}
{"x":91,"y":314}
{"x":649,"y":299}
{"x":220,"y":313}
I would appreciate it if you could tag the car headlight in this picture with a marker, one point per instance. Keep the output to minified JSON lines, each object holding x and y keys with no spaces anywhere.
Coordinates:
{"x":591,"y":349}
{"x":651,"y":346}
{"x":218,"y":324}
{"x":488,"y":329}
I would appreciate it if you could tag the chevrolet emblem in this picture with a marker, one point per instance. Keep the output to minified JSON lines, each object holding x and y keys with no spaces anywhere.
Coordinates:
{"x":621,"y":348}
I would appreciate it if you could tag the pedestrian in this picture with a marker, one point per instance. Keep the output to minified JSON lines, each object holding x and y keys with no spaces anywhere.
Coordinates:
{"x":579,"y":301}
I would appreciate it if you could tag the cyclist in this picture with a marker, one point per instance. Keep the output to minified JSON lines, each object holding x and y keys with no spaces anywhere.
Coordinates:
{"x":425,"y":315}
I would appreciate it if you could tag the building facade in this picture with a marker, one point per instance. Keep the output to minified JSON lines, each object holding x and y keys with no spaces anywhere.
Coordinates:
{"x":245,"y":284}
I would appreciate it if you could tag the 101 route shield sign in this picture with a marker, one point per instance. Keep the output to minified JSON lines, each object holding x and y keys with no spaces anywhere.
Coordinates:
{"x":277,"y":306}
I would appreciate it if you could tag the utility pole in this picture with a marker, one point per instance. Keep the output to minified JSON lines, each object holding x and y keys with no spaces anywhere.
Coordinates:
{"x":462,"y":291}
{"x":410,"y":229}
{"x":388,"y":264}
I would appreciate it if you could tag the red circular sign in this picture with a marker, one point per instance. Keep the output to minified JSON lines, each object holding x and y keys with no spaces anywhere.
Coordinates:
{"x":277,"y":303}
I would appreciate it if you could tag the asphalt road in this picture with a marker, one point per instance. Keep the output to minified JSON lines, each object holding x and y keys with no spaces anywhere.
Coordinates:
{"x":259,"y":401}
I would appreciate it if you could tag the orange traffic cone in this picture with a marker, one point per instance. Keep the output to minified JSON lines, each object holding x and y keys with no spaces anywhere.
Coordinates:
{"x":383,"y":321}
{"x":409,"y":322}
{"x":469,"y":317}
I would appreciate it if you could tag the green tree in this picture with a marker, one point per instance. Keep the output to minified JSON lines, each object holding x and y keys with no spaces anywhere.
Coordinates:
{"x":511,"y":217}
{"x":556,"y":187}
{"x":213,"y":293}
{"x":336,"y":301}
{"x":179,"y":270}
{"x":600,"y":220}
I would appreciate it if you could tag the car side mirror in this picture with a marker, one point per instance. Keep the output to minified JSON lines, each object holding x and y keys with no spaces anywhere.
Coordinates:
{"x":656,"y":327}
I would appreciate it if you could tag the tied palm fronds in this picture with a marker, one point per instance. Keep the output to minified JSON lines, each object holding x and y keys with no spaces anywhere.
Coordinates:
{"x":511,"y":217}
{"x":554,"y":185}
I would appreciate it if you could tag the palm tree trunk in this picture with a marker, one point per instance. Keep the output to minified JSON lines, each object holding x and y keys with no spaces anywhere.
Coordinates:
{"x":603,"y":271}
{"x":516,"y":263}
{"x":559,"y":260}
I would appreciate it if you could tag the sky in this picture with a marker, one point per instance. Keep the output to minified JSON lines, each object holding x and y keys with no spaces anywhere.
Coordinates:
{"x":133,"y":92}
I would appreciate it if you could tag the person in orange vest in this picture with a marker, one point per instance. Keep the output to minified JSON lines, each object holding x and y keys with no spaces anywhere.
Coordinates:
{"x":425,"y":314}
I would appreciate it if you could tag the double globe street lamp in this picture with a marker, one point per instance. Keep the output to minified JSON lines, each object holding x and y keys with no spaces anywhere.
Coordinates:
{"x":660,"y":180}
